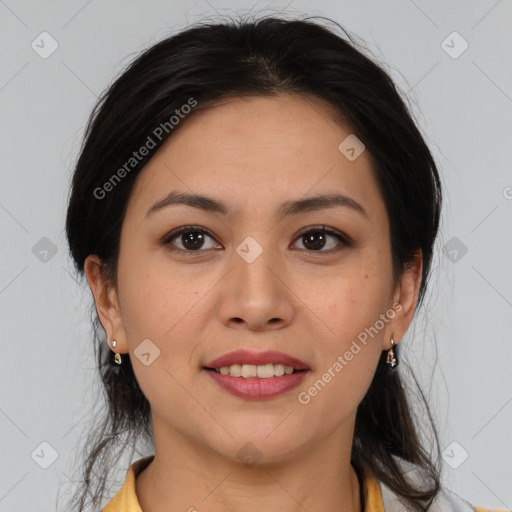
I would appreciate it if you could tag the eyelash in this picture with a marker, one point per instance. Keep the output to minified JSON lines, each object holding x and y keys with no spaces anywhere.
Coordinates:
{"x":343,"y":239}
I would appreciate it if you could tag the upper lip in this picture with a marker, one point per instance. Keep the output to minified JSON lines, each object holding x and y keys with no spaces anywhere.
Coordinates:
{"x":257,"y":358}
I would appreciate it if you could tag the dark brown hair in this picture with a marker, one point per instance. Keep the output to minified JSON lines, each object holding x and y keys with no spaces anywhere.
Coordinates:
{"x":210,"y":62}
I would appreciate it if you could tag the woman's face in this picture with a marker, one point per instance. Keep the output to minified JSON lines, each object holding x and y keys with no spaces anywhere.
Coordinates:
{"x":253,"y":281}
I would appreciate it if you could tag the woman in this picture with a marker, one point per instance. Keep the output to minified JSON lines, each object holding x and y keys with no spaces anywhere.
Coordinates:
{"x":255,"y":212}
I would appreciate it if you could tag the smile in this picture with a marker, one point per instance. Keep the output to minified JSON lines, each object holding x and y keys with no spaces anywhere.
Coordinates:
{"x":262,"y":371}
{"x":249,"y":386}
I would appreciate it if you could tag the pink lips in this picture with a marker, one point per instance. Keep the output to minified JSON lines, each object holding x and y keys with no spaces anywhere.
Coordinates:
{"x":256,"y":388}
{"x":257,"y":358}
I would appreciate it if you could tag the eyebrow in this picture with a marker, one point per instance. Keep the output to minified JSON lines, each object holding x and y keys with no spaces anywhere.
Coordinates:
{"x":209,"y":204}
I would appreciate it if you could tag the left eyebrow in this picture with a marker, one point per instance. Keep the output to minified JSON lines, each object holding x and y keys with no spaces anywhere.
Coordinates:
{"x":209,"y":204}
{"x":320,"y":202}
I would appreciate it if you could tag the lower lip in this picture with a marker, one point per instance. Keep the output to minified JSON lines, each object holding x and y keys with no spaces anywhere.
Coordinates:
{"x":257,"y":388}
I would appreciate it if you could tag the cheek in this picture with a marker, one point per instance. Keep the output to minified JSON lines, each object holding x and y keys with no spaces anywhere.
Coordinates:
{"x":162,"y":311}
{"x":354,"y":302}
{"x":152,"y":309}
{"x":159,"y":312}
{"x":166,"y":306}
{"x":154,"y":295}
{"x":349,"y":354}
{"x":351,"y":306}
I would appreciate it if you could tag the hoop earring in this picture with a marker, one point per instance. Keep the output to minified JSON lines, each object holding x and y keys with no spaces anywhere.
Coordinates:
{"x":117,"y":357}
{"x":392,"y":360}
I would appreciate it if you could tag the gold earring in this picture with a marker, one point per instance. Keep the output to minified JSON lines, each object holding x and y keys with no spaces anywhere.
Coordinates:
{"x":392,"y":360}
{"x":117,"y":357}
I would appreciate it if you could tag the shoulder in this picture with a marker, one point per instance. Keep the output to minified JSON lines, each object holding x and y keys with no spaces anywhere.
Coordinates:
{"x":445,"y":501}
{"x":125,"y":500}
{"x":448,"y":500}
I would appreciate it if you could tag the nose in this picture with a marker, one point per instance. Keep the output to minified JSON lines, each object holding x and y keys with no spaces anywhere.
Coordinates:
{"x":255,"y":294}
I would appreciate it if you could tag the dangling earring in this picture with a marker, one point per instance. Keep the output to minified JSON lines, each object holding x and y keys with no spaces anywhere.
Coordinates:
{"x":117,"y":357}
{"x":392,"y":360}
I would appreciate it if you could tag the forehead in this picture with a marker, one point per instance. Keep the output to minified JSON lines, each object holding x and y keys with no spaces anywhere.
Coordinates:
{"x":250,"y":151}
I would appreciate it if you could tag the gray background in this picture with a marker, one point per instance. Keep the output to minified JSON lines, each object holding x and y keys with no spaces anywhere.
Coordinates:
{"x":463,"y":105}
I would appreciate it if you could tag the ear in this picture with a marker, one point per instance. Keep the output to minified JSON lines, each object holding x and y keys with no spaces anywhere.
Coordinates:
{"x":105,"y":297}
{"x":406,"y":294}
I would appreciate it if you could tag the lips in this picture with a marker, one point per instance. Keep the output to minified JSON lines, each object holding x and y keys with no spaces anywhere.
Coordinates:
{"x":256,"y":388}
{"x":256,"y":358}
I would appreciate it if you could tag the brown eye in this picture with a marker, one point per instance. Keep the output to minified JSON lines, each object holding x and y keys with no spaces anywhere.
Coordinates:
{"x":191,"y":238}
{"x":316,"y":239}
{"x":194,"y":238}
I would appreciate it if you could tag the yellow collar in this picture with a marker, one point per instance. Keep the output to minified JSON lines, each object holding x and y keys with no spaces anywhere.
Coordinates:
{"x":126,"y":499}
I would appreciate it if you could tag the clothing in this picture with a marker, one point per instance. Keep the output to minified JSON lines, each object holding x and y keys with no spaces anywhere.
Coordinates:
{"x":379,"y":497}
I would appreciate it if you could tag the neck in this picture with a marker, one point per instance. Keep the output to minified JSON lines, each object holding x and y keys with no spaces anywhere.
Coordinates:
{"x":190,"y":476}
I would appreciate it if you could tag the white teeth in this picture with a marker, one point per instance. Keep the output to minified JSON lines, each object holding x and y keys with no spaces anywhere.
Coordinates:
{"x":279,"y":369}
{"x":234,"y":370}
{"x":263,"y":371}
